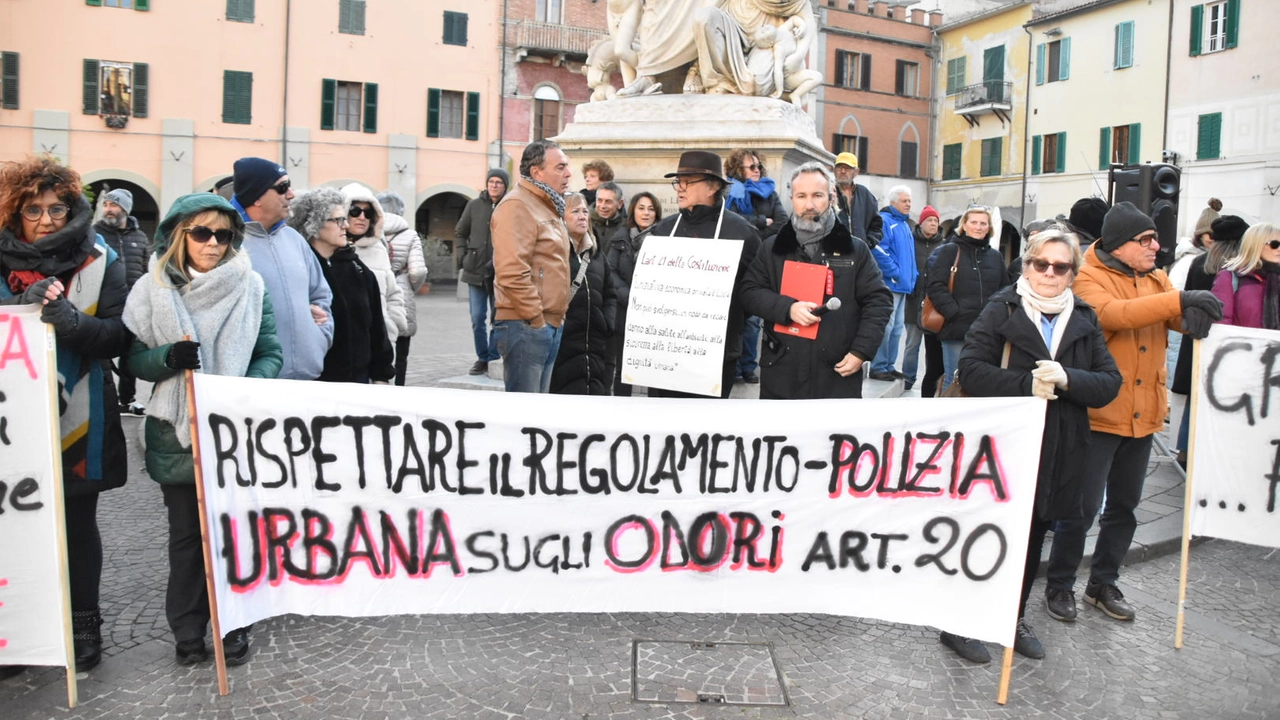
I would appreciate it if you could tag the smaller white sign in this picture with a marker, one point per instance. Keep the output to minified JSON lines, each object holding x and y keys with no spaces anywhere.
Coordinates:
{"x":1235,"y":478}
{"x":678,"y":314}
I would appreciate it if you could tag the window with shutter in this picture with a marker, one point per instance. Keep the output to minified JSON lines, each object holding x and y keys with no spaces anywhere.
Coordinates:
{"x":473,"y":116}
{"x":1061,"y":162}
{"x":9,"y":80}
{"x":908,"y":157}
{"x":1104,"y":148}
{"x":1049,"y":157}
{"x":1233,"y":24}
{"x":1209,"y":137}
{"x":1197,"y":28}
{"x":1215,"y":20}
{"x":951,"y":156}
{"x":142,"y":5}
{"x":141,"y":95}
{"x":371,"y":107}
{"x":433,"y":112}
{"x":546,"y":113}
{"x":1037,"y":147}
{"x":351,"y":17}
{"x":1124,"y":45}
{"x":907,"y":81}
{"x":237,"y":97}
{"x":992,"y":149}
{"x":328,"y":103}
{"x":240,"y":10}
{"x":1135,"y":143}
{"x":346,"y":115}
{"x":955,"y":75}
{"x":455,"y":28}
{"x":853,"y":70}
{"x":90,"y":89}
{"x":1054,"y":62}
{"x":1040,"y":55}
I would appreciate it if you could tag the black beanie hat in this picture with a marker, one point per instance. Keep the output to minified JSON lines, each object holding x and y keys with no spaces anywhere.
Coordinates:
{"x":253,"y":177}
{"x":1086,"y":216}
{"x":1124,"y":222}
{"x":1228,"y":228}
{"x":501,"y":175}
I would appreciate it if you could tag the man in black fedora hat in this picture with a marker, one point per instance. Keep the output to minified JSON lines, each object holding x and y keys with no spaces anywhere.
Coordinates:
{"x":700,"y":188}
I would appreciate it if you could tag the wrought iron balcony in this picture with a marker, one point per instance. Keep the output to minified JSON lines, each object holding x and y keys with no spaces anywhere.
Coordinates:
{"x":991,"y":96}
{"x":550,"y":38}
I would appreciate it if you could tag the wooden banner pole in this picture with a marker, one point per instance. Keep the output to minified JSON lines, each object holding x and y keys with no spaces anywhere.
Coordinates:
{"x":59,"y":503}
{"x":1193,"y":402}
{"x":1006,"y":672}
{"x":219,"y":654}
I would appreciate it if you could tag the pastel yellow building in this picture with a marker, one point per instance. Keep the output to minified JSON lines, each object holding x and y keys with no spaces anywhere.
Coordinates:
{"x":982,"y":89}
{"x":162,"y":96}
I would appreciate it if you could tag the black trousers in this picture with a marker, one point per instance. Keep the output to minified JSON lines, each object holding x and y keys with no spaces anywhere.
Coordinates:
{"x":187,"y":599}
{"x":84,"y":550}
{"x":933,"y":368}
{"x":1035,"y":546}
{"x":402,"y":357}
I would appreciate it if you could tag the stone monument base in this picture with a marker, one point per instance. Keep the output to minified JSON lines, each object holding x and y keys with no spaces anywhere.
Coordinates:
{"x":642,"y":137}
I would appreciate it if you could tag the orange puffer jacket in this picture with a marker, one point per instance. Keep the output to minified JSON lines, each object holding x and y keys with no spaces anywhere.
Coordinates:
{"x":530,"y":258}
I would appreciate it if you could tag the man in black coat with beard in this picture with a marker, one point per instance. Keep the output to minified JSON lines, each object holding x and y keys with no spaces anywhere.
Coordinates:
{"x":829,"y":366}
{"x":700,"y":193}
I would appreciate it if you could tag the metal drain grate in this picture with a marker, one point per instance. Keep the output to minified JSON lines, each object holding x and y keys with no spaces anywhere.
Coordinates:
{"x":707,"y":672}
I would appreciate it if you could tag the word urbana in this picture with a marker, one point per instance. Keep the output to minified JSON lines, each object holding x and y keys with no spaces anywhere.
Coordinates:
{"x":333,"y":453}
{"x":309,"y":546}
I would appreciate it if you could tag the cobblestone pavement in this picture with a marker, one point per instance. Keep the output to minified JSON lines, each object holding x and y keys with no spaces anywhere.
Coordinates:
{"x":588,"y":666}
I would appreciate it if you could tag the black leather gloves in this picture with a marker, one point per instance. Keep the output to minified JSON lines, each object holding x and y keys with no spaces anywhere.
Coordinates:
{"x":184,"y":355}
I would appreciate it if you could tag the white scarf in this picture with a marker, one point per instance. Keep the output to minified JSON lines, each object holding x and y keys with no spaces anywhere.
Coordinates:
{"x":220,"y":309}
{"x":1036,"y":306}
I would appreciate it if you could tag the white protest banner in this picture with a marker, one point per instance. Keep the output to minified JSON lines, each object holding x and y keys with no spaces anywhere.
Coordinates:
{"x":1236,"y":456}
{"x":678,"y":313}
{"x":32,"y":607}
{"x":364,"y":500}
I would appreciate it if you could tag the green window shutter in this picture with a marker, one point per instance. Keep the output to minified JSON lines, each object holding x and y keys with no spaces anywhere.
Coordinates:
{"x":433,"y":112}
{"x":1104,"y":148}
{"x":1124,"y":45}
{"x":90,"y":87}
{"x":1233,"y":23}
{"x":371,"y":107}
{"x":9,"y":80}
{"x":357,"y":17}
{"x":955,"y":75}
{"x":473,"y":116}
{"x":951,"y":161}
{"x":1064,"y":59}
{"x":1036,"y":149}
{"x":237,"y":97}
{"x":143,"y":5}
{"x":240,"y":10}
{"x":1209,"y":137}
{"x":95,"y":3}
{"x":455,"y":28}
{"x":1062,"y":152}
{"x":1135,"y":143}
{"x":328,"y":98}
{"x":1040,"y":54}
{"x":141,"y":100}
{"x":1197,"y":28}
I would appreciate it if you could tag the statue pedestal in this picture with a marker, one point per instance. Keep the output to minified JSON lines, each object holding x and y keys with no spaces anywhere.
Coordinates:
{"x":642,"y":137}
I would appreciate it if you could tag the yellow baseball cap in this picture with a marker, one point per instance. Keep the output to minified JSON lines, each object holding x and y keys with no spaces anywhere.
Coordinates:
{"x":847,"y":158}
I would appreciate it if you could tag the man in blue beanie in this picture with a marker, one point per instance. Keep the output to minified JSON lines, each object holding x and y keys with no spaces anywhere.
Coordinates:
{"x":287,"y":265}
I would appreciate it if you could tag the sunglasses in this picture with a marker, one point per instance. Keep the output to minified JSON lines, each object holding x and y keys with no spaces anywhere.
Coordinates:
{"x":283,"y":186}
{"x":1274,"y":244}
{"x":752,"y":167}
{"x":1043,"y":265}
{"x":357,"y":211}
{"x":35,"y":212}
{"x":202,"y":234}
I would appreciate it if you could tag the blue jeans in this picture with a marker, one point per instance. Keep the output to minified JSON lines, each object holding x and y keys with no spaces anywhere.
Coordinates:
{"x":528,"y":354}
{"x":950,"y":358}
{"x":911,"y":363}
{"x":486,"y":348}
{"x":749,"y":361}
{"x":887,"y":354}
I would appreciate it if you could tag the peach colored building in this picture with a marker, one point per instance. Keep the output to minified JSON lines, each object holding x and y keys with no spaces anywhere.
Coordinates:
{"x":162,"y":96}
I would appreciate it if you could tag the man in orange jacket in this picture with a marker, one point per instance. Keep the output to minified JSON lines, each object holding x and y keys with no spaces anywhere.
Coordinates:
{"x":1136,"y":304}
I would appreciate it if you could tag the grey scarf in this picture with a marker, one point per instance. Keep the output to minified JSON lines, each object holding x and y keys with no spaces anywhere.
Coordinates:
{"x":556,"y":197}
{"x":810,"y":232}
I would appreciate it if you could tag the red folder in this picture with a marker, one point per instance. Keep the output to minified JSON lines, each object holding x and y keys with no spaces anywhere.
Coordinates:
{"x":807,"y":282}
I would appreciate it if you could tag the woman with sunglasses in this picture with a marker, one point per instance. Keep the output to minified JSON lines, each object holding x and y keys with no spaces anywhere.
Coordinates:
{"x":366,"y":222}
{"x":199,"y":284}
{"x":754,"y":196}
{"x":1249,"y":284}
{"x":1055,"y":351}
{"x":50,"y":255}
{"x":362,"y":351}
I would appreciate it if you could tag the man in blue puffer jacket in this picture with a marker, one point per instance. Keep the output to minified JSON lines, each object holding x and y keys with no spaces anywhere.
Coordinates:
{"x":896,"y":256}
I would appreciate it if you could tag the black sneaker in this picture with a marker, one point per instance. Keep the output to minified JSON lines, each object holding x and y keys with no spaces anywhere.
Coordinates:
{"x":479,"y":368}
{"x":235,"y":646}
{"x":750,"y":378}
{"x":968,"y":648}
{"x":190,"y":652}
{"x":1061,"y":604}
{"x":1109,"y":600}
{"x":1026,"y":644}
{"x":882,"y":376}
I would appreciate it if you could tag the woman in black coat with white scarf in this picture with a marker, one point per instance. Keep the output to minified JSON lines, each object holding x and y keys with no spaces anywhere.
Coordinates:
{"x":1056,"y":352}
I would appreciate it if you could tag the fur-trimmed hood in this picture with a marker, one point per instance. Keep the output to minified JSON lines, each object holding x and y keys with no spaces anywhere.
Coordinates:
{"x":837,"y":242}
{"x":355,"y":192}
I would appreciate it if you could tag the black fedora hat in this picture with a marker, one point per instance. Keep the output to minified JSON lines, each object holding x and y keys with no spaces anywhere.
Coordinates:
{"x":700,"y":162}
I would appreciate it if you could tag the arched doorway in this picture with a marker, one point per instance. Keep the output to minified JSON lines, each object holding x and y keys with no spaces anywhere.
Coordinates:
{"x":145,"y":208}
{"x":435,"y":221}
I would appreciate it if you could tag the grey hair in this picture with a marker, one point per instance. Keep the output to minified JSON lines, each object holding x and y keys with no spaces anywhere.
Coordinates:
{"x":896,"y":192}
{"x":815,"y":167}
{"x":1054,"y":234}
{"x":612,"y":187}
{"x":311,"y":209}
{"x":391,"y":202}
{"x":535,"y":153}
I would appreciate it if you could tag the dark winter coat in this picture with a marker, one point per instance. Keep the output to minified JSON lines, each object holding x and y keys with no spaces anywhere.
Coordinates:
{"x":580,"y":367}
{"x":765,"y":209}
{"x":864,"y":220}
{"x":473,"y":231}
{"x":980,"y":272}
{"x":605,"y":230}
{"x":700,"y":222}
{"x":1093,"y":381}
{"x":361,"y":351}
{"x":1197,"y":279}
{"x":924,"y":248}
{"x":130,"y":243}
{"x":799,"y":368}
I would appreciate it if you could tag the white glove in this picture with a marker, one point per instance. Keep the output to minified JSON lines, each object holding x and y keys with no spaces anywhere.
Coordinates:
{"x":1050,"y":371}
{"x":1042,"y":389}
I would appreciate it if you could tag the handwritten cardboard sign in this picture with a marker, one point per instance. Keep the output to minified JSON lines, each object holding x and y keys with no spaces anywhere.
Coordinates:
{"x":1236,"y":455}
{"x":678,"y":314}
{"x":32,"y":608}
{"x":359,"y":500}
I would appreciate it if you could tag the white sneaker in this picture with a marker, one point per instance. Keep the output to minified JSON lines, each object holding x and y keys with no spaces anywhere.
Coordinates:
{"x":136,"y":408}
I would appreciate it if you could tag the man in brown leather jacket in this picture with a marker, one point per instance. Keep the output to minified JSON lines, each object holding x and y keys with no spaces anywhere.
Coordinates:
{"x":531,"y":268}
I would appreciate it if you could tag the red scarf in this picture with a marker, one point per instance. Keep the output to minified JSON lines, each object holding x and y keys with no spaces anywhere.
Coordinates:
{"x":20,"y":280}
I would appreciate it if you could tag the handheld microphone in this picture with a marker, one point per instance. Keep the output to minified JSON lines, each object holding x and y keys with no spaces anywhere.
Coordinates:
{"x":832,"y":304}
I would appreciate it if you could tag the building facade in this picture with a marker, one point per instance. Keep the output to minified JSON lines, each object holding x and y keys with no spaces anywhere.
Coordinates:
{"x":161,"y":97}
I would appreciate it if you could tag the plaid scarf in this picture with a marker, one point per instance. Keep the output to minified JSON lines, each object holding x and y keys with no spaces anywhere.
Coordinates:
{"x":556,"y":197}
